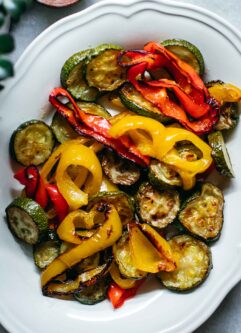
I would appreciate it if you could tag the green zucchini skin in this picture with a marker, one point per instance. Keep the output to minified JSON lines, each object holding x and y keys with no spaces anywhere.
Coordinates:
{"x":155,"y":207}
{"x":202,"y":213}
{"x":123,"y":203}
{"x":119,"y":170}
{"x":135,"y":102}
{"x":94,"y":294}
{"x":220,"y":154}
{"x":123,"y":259}
{"x":26,"y":219}
{"x":194,"y":265}
{"x":102,"y":70}
{"x":32,"y":143}
{"x":187,"y":52}
{"x":162,"y":176}
{"x":72,"y":77}
{"x":45,"y":252}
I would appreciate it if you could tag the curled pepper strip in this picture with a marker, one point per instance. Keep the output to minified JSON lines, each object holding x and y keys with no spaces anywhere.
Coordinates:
{"x":105,"y":236}
{"x":94,"y":126}
{"x":161,"y":142}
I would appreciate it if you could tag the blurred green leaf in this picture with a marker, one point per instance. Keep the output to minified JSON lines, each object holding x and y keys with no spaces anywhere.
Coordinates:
{"x":6,"y":69}
{"x":1,"y":18}
{"x":6,"y":43}
{"x":15,"y":7}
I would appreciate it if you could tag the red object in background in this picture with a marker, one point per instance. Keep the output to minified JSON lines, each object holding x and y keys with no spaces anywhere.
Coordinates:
{"x":118,"y":295}
{"x":57,"y":3}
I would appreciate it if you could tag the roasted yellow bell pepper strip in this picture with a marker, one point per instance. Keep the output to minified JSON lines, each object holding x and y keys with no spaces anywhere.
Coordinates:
{"x":225,"y":92}
{"x":76,"y":154}
{"x":158,"y":142}
{"x":146,"y":256}
{"x":105,"y":236}
{"x":123,"y":283}
{"x":75,"y":219}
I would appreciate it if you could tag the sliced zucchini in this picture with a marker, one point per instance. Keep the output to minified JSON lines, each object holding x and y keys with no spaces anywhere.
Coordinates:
{"x":26,"y":219}
{"x":202,"y":213}
{"x":93,"y":294}
{"x":193,"y":267}
{"x":122,"y":202}
{"x":123,"y":258}
{"x":229,"y":117}
{"x":119,"y":170}
{"x":135,"y":102}
{"x":102,"y":70}
{"x":157,"y":208}
{"x":32,"y":143}
{"x":88,"y":263}
{"x":220,"y":154}
{"x":186,"y":52}
{"x":61,"y":128}
{"x":162,"y":176}
{"x":73,"y":80}
{"x":188,"y":151}
{"x":45,"y":252}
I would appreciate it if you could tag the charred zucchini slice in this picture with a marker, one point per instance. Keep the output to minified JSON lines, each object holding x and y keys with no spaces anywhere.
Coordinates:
{"x":123,"y":258}
{"x":102,"y":70}
{"x":194,"y":264}
{"x":135,"y":102}
{"x":122,"y":202}
{"x":93,"y":294}
{"x":202,"y":214}
{"x":187,"y":52}
{"x":73,"y":80}
{"x":229,"y":117}
{"x":119,"y":170}
{"x":157,"y":208}
{"x":61,"y":128}
{"x":32,"y":143}
{"x":44,"y":253}
{"x":162,"y":176}
{"x":188,"y":151}
{"x":220,"y":154}
{"x":26,"y":219}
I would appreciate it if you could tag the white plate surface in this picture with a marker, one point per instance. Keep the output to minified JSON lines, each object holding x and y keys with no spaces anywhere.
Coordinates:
{"x":130,"y":23}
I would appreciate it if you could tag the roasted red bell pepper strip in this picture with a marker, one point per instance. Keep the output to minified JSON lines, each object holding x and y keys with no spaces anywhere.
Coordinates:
{"x":118,"y":295}
{"x":34,"y":185}
{"x":96,"y":127}
{"x":60,"y":205}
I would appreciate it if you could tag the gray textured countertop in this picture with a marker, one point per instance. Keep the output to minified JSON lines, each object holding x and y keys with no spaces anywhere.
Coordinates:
{"x":227,"y":318}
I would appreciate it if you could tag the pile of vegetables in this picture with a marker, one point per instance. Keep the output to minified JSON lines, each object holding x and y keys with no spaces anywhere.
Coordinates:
{"x":110,"y":199}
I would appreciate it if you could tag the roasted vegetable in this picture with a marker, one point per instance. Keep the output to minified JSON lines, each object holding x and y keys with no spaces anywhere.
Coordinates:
{"x":102,"y":70}
{"x":194,"y":264}
{"x":123,"y":258}
{"x":157,"y":208}
{"x":162,"y":175}
{"x":32,"y":143}
{"x":187,"y":52}
{"x":202,"y":214}
{"x":229,"y":117}
{"x":135,"y":102}
{"x":119,"y":170}
{"x":220,"y":154}
{"x":45,"y":252}
{"x":26,"y":219}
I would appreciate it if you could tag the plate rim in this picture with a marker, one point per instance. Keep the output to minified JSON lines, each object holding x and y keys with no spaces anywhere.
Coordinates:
{"x":52,"y":33}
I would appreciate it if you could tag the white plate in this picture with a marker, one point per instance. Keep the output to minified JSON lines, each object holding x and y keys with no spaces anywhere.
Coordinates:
{"x":130,"y":23}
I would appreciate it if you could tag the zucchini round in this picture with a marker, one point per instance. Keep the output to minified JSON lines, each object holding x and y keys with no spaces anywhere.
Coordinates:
{"x":93,"y":294}
{"x":135,"y":102}
{"x":73,"y":80}
{"x":220,"y":154}
{"x":102,"y":71}
{"x":194,"y":264}
{"x":122,"y":202}
{"x":26,"y":219}
{"x":119,"y":170}
{"x":229,"y":117}
{"x":45,"y":252}
{"x":123,"y":258}
{"x":202,"y":213}
{"x":162,"y":176}
{"x":187,"y":52}
{"x":157,"y":208}
{"x":62,"y":129}
{"x":32,"y":143}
